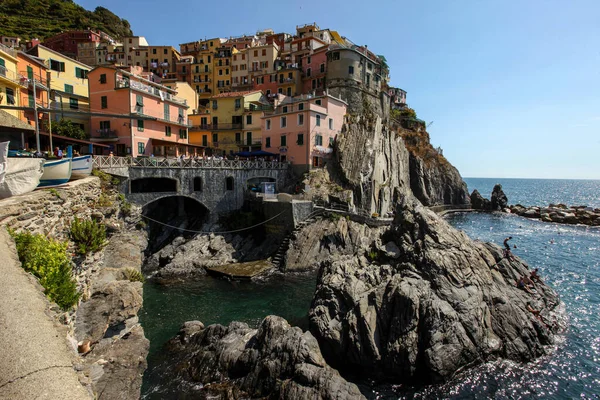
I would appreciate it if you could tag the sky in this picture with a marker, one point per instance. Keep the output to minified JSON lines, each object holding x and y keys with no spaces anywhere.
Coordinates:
{"x":510,"y":89}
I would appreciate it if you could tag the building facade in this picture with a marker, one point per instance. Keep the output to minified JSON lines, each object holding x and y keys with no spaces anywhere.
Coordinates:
{"x":35,"y":71}
{"x":142,"y":118}
{"x":66,"y":43}
{"x":11,"y":82}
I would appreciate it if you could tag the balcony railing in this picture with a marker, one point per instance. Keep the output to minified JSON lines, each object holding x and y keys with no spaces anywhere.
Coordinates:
{"x":216,"y":127}
{"x":8,"y":50}
{"x":222,"y":54}
{"x":126,"y":83}
{"x":106,"y":134}
{"x":198,"y":80}
{"x":14,"y":77}
{"x":107,"y":162}
{"x":286,"y":81}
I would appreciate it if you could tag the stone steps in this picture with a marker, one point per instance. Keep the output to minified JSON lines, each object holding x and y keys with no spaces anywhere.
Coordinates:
{"x":279,"y":256}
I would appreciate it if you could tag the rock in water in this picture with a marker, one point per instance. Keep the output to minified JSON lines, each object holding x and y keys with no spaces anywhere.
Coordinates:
{"x":499,"y":201}
{"x":437,"y":304}
{"x":274,"y":361}
{"x":478,"y":202}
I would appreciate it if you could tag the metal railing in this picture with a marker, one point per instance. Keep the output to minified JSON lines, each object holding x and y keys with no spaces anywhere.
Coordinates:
{"x":14,"y":77}
{"x":106,"y":134}
{"x":127,"y":83}
{"x":8,"y":50}
{"x":107,"y":162}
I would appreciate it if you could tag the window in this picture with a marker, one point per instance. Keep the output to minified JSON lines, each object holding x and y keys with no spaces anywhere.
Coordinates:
{"x":73,"y":104}
{"x":318,"y":102}
{"x":68,"y":88}
{"x":197,"y":184}
{"x":229,"y":183}
{"x":80,"y":73}
{"x":289,"y":91}
{"x":268,"y":142}
{"x":283,"y":140}
{"x":105,"y":126}
{"x":255,"y":53}
{"x":300,"y":119}
{"x":215,"y":138}
{"x":301,"y":106}
{"x":104,"y":101}
{"x":285,"y":109}
{"x":167,"y":131}
{"x":139,"y":104}
{"x":248,"y":138}
{"x":183,"y":133}
{"x":238,"y":137}
{"x":350,"y":70}
{"x":211,"y":44}
{"x":57,"y":66}
{"x":238,"y":103}
{"x":140,"y":125}
{"x":102,"y":78}
{"x":331,"y":140}
{"x":322,"y":68}
{"x":30,"y":98}
{"x":308,"y":71}
{"x":220,"y":63}
{"x":283,"y":123}
{"x":330,"y":123}
{"x":226,"y":71}
{"x":318,"y":120}
{"x":180,"y":117}
{"x":205,"y":140}
{"x":268,"y":124}
{"x":264,"y":52}
{"x":280,"y":90}
{"x":153,"y":51}
{"x":248,"y":119}
{"x":336,"y":55}
{"x":215,"y":105}
{"x":308,"y":60}
{"x":368,"y":79}
{"x":141,"y":148}
{"x":220,"y":72}
{"x":167,"y":110}
{"x":300,"y":140}
{"x":318,"y":140}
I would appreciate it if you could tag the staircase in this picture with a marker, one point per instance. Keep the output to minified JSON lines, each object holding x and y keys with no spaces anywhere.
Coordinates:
{"x":279,"y":256}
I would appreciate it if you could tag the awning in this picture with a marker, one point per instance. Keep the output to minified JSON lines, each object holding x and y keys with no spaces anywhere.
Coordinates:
{"x":9,"y":121}
{"x":160,"y":142}
{"x":68,"y":139}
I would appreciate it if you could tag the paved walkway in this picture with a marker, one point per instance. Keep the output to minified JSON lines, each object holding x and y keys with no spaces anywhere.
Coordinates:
{"x":35,"y":360}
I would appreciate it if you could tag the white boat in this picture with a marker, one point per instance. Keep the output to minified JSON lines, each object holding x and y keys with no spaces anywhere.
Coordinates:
{"x":22,"y":175}
{"x":56,"y":172}
{"x":82,"y":167}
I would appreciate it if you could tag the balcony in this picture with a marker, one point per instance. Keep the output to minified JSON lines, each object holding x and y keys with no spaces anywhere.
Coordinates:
{"x":216,"y":127}
{"x":8,"y":50}
{"x":286,"y":81}
{"x":139,"y":86}
{"x":198,"y":80}
{"x":106,"y":134}
{"x":222,"y":54}
{"x":13,"y":77}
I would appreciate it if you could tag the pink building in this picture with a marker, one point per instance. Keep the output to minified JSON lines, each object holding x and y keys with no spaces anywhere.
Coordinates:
{"x":140,"y":117}
{"x":314,"y":70}
{"x":302,"y":129}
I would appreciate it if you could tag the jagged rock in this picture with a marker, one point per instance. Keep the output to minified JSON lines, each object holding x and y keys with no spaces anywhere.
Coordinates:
{"x":478,"y":202}
{"x":446,"y":303}
{"x":436,"y":183}
{"x":273,"y":361}
{"x":498,"y":201}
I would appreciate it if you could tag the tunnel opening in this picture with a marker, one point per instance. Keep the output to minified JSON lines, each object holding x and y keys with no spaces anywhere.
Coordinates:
{"x":153,"y":185}
{"x":258,"y":184}
{"x":173,"y":216}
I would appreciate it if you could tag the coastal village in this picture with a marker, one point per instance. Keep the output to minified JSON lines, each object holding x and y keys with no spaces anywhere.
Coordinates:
{"x":276,"y":95}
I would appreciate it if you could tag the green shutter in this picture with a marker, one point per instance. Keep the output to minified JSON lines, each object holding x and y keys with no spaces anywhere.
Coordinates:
{"x":2,"y":62}
{"x":68,"y":88}
{"x":140,"y":126}
{"x":167,"y":112}
{"x":29,"y":72}
{"x":30,"y":97}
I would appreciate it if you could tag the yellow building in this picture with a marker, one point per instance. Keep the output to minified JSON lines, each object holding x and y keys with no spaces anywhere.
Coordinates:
{"x":202,"y":69}
{"x":185,"y":91}
{"x":222,"y":69}
{"x":228,"y":120}
{"x":69,"y":91}
{"x":10,"y":80}
{"x":162,"y":60}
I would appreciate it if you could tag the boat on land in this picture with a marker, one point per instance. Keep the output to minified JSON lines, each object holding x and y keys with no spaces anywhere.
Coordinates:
{"x":18,"y":175}
{"x":82,"y":167}
{"x":56,"y":172}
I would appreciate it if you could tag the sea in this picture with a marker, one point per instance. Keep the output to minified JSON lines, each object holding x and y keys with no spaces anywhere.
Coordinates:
{"x":567,"y":256}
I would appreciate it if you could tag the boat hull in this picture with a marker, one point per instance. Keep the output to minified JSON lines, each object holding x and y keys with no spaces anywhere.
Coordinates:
{"x":22,"y":176}
{"x":56,"y":172}
{"x":82,"y":167}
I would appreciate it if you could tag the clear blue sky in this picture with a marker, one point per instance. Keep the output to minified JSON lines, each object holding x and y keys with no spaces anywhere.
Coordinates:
{"x":512,"y":87}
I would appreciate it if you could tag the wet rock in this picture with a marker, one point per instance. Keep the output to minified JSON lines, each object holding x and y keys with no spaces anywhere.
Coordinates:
{"x":498,"y":200}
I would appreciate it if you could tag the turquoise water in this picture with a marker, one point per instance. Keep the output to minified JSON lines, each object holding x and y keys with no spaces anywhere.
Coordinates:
{"x":541,"y":192}
{"x":571,"y":264}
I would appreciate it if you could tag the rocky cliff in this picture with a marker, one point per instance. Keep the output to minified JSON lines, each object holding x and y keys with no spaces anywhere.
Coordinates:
{"x":422,"y":301}
{"x":273,"y":361}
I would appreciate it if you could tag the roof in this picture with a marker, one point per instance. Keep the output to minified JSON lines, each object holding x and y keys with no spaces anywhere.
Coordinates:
{"x":236,"y":94}
{"x":40,"y":46}
{"x":33,"y":59}
{"x":68,"y":139}
{"x":9,"y":121}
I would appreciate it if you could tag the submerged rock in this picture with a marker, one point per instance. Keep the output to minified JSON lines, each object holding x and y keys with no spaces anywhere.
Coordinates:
{"x":274,"y":361}
{"x":440,"y":303}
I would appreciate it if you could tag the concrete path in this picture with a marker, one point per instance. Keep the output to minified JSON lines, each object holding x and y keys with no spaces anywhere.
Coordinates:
{"x":35,"y":360}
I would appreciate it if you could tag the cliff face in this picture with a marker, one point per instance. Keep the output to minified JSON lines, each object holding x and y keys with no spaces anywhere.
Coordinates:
{"x":436,"y":183}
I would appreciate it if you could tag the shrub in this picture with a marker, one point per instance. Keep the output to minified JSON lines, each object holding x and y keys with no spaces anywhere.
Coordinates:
{"x":133,"y":275}
{"x":373,"y":255}
{"x":126,"y":208}
{"x":104,"y":200}
{"x":47,"y":259}
{"x":333,"y":217}
{"x":88,"y":235}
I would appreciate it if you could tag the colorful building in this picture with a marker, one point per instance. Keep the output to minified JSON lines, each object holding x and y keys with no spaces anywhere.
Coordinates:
{"x":314,"y":70}
{"x":142,"y":118}
{"x":66,"y":43}
{"x":68,"y":83}
{"x":35,"y":71}
{"x":302,"y":129}
{"x":222,"y":69}
{"x":11,"y":82}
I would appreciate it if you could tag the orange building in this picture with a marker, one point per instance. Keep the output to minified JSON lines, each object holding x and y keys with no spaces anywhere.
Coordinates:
{"x":141,"y":117}
{"x":33,"y":69}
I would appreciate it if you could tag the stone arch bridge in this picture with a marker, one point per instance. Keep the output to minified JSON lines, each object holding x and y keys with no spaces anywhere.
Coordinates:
{"x":219,"y":185}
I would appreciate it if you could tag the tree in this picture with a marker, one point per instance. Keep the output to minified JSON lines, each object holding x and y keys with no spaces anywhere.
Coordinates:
{"x":67,"y":128}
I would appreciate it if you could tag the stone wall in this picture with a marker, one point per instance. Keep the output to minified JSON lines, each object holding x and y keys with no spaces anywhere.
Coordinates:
{"x":104,"y":324}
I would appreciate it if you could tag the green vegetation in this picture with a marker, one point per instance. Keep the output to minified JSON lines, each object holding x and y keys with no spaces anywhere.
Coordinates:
{"x":67,"y":128}
{"x":104,"y":200}
{"x":54,"y":192}
{"x":405,"y":113}
{"x":47,"y":259}
{"x":89,"y":235}
{"x":41,"y":19}
{"x":373,"y":255}
{"x":334,"y":217}
{"x":133,"y":275}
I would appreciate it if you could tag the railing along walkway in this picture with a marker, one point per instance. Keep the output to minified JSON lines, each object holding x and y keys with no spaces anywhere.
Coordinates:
{"x":108,"y":162}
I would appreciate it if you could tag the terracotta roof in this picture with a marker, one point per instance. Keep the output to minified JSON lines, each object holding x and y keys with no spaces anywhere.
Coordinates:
{"x":235,"y":94}
{"x":8,"y":121}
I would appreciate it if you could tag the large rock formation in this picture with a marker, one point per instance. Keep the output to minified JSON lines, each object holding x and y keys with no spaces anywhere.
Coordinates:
{"x":423,"y":301}
{"x":273,"y":361}
{"x":497,"y":202}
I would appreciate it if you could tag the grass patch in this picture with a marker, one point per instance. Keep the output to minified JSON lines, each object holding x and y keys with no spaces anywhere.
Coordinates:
{"x":104,"y":200}
{"x":88,"y":235}
{"x":133,"y":275}
{"x":47,"y":259}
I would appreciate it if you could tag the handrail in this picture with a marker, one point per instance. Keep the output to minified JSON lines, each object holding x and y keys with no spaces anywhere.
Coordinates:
{"x":107,"y":162}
